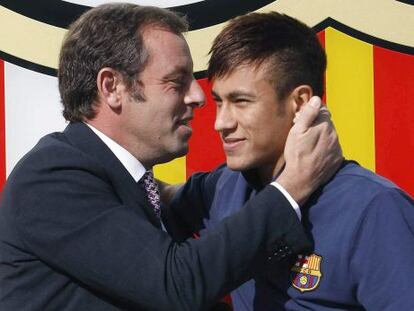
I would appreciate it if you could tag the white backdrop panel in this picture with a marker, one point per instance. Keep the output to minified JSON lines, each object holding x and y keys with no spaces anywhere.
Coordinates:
{"x":32,"y":109}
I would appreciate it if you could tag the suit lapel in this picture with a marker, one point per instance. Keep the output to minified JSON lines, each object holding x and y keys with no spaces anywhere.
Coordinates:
{"x":130,"y":193}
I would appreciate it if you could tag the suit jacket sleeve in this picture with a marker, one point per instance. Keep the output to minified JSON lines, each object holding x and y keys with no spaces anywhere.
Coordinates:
{"x":191,"y":204}
{"x":69,"y":214}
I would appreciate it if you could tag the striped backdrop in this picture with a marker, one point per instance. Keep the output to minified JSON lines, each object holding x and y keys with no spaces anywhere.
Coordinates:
{"x":369,"y":90}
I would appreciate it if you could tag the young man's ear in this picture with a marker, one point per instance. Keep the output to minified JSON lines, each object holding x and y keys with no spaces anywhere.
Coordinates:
{"x":109,"y":86}
{"x":300,"y":95}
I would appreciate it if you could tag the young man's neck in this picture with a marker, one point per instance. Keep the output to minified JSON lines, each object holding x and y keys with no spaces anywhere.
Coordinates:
{"x":267,"y":173}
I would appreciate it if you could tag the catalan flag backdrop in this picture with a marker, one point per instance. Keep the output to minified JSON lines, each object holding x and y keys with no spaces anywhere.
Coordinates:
{"x":369,"y":81}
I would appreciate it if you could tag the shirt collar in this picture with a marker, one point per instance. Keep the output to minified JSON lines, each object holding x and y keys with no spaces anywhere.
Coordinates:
{"x":132,"y":165}
{"x":253,"y":178}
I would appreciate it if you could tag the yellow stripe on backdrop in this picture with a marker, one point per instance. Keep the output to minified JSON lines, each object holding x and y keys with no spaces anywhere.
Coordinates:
{"x":350,"y":95}
{"x":29,"y":39}
{"x":173,"y":172}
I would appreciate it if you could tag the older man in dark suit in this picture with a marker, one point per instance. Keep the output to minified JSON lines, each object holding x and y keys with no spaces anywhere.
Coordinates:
{"x":80,"y":221}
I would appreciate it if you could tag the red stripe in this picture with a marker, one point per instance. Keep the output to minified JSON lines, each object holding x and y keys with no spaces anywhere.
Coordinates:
{"x":321,"y":37}
{"x":206,"y":151}
{"x":394,"y":111}
{"x":2,"y":129}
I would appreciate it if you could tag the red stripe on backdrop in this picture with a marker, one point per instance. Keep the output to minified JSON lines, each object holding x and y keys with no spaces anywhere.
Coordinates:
{"x":321,"y":37}
{"x":206,"y":151}
{"x":2,"y":129}
{"x":394,"y":112}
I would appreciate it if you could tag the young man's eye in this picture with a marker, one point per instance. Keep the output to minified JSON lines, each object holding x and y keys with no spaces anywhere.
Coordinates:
{"x":217,"y":100}
{"x":241,"y":100}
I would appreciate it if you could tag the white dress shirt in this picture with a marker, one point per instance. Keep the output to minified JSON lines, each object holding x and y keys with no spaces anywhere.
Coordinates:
{"x":132,"y":165}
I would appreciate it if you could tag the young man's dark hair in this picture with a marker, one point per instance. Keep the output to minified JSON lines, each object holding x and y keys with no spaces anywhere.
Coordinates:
{"x":290,"y":50}
{"x":107,"y":36}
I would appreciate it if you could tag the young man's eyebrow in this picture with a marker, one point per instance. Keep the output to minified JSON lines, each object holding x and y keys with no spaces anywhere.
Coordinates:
{"x":234,"y":95}
{"x":214,"y":94}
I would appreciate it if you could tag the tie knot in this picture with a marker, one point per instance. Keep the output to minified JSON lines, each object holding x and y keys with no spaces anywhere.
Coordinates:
{"x":153,"y":193}
{"x":149,"y":178}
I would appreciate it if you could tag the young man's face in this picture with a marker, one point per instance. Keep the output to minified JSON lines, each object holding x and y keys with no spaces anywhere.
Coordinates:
{"x":252,"y":122}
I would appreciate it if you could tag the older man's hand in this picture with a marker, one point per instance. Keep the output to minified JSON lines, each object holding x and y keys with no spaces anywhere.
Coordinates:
{"x":312,"y":151}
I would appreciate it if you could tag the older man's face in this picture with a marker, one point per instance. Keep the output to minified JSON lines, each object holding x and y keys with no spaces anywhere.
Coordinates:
{"x":161,"y":123}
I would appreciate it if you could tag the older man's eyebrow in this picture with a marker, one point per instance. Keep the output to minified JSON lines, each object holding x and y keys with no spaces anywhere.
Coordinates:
{"x":177,"y":72}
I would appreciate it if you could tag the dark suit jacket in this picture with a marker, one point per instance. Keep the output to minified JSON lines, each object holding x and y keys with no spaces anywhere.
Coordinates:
{"x":76,"y":233}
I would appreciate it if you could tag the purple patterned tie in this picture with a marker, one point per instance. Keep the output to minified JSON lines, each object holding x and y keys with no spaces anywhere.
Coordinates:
{"x":153,"y":193}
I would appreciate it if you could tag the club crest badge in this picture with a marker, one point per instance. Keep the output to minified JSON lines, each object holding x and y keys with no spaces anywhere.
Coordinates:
{"x":306,"y":273}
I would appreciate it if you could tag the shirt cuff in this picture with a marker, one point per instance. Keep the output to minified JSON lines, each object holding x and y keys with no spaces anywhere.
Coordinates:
{"x":292,"y":202}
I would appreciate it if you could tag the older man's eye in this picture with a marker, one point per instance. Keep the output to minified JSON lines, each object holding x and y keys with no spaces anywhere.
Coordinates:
{"x":180,"y":83}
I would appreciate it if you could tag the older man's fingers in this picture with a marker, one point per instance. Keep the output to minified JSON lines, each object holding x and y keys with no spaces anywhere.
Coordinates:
{"x":308,"y":114}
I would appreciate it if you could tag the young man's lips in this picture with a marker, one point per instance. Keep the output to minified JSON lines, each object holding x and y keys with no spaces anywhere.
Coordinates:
{"x":230,"y":144}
